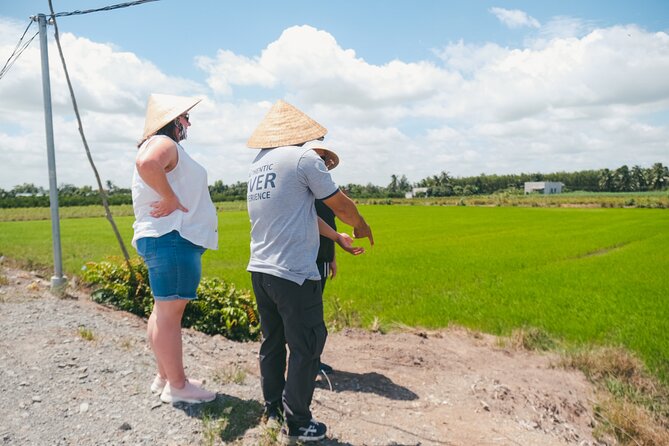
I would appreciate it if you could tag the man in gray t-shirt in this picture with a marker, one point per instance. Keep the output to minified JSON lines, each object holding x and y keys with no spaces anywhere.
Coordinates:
{"x":284,"y":179}
{"x":282,"y":185}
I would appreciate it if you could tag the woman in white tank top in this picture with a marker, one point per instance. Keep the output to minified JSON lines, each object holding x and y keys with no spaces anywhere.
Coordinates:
{"x":175,"y":222}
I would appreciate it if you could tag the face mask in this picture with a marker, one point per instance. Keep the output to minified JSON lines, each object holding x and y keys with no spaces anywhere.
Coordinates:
{"x":181,"y":129}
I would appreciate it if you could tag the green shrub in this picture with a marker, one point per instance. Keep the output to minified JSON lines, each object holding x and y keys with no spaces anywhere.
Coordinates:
{"x":115,"y":285}
{"x":222,"y":309}
{"x":219,"y":309}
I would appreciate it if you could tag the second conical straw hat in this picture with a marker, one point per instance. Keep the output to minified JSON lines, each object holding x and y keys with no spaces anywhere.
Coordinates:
{"x":284,"y":125}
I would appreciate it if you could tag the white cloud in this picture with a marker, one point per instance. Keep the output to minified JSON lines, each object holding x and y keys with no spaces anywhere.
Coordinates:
{"x":229,"y":69}
{"x":310,"y":65}
{"x":515,"y":18}
{"x":564,"y":27}
{"x":568,"y":101}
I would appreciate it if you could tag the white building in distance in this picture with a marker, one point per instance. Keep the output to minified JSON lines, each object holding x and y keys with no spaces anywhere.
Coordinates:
{"x":543,"y":187}
{"x":415,"y":191}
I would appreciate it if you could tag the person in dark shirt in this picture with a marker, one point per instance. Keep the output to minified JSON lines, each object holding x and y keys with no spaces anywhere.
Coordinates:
{"x":326,"y":260}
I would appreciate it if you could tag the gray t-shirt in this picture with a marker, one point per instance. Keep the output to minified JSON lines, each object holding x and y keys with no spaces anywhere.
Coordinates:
{"x":282,"y":185}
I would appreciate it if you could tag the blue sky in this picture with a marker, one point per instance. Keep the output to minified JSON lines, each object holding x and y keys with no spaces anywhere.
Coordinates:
{"x":411,"y":88}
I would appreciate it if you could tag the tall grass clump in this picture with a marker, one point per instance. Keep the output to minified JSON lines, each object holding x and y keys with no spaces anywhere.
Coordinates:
{"x":532,"y":339}
{"x":634,"y":405}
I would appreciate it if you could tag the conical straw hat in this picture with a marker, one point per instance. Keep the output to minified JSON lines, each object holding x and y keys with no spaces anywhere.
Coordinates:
{"x":163,"y":108}
{"x":284,"y":125}
{"x":331,"y":158}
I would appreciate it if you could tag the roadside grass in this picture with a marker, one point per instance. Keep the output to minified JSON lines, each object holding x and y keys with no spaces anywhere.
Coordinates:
{"x":3,"y":277}
{"x":532,"y":338}
{"x":631,"y":405}
{"x":230,"y":375}
{"x":126,"y":343}
{"x":86,"y":334}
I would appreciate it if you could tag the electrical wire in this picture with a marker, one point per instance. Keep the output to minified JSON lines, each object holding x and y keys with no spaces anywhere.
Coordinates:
{"x":18,"y":50}
{"x":106,"y":8}
{"x":101,"y":191}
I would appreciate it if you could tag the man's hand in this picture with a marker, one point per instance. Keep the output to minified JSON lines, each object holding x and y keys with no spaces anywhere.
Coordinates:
{"x":346,"y":242}
{"x":346,"y":211}
{"x":333,"y":269}
{"x":364,"y":231}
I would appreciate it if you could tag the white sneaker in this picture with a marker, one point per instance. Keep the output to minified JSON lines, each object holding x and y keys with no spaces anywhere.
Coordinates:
{"x":189,"y":394}
{"x":159,"y":383}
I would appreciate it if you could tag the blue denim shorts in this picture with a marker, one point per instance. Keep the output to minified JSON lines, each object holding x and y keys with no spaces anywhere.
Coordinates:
{"x":174,"y":264}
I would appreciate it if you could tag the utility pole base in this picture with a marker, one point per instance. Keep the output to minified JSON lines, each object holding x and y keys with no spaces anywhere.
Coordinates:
{"x":58,"y":285}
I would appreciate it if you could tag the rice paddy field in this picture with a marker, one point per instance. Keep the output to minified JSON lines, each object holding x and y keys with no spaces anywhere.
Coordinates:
{"x":583,"y":275}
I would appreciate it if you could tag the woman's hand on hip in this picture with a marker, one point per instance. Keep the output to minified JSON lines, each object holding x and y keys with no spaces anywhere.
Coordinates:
{"x":165,"y":206}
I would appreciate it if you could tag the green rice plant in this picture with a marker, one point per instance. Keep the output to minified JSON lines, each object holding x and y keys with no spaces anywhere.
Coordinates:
{"x":377,"y":326}
{"x":44,"y":213}
{"x":582,"y":275}
{"x":343,"y":315}
{"x":96,"y":211}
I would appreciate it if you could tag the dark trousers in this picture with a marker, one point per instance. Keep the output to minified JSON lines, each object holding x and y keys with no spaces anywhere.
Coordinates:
{"x":290,"y":314}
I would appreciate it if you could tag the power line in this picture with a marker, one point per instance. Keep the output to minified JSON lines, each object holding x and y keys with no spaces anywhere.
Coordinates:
{"x":18,"y":50}
{"x":21,"y":47}
{"x":103,"y":195}
{"x":106,"y":8}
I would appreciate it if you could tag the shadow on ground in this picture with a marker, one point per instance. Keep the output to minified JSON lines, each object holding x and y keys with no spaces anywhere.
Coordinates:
{"x":371,"y":382}
{"x":227,"y":417}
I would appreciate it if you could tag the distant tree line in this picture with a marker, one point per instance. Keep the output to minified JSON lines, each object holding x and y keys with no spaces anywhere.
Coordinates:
{"x":622,"y":179}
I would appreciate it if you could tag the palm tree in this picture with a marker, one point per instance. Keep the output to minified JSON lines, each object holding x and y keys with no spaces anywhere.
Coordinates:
{"x":392,"y":187}
{"x":658,"y":177}
{"x":638,"y":179}
{"x":403,"y":184}
{"x":605,"y":180}
{"x":623,"y":179}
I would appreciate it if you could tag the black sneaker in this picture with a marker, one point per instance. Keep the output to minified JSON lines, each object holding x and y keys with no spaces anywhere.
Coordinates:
{"x":272,"y":416}
{"x":314,"y":431}
{"x":325,"y":368}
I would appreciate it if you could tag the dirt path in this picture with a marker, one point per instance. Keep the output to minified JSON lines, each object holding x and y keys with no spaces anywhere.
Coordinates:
{"x":449,"y":387}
